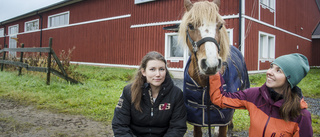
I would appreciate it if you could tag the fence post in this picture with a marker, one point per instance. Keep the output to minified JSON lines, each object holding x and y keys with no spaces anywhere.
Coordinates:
{"x":21,"y":59}
{"x":49,"y":61}
{"x":4,"y":56}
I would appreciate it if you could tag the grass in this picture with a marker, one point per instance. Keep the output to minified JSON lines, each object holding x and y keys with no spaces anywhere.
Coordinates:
{"x":102,"y":86}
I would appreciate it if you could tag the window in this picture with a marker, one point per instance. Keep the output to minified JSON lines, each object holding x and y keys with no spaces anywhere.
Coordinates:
{"x":58,"y":19}
{"x":12,"y":30}
{"x":268,"y":4}
{"x":266,"y":46}
{"x":31,"y":25}
{"x":230,"y":35}
{"x":174,"y":51}
{"x":2,"y":32}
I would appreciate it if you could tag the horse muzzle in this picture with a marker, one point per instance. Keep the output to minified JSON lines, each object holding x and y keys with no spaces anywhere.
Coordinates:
{"x":210,"y":69}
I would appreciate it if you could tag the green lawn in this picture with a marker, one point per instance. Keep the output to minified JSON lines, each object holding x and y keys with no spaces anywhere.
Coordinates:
{"x":100,"y":91}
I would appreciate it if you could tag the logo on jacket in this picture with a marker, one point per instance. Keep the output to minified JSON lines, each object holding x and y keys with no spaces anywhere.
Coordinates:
{"x":165,"y":106}
{"x":120,"y":102}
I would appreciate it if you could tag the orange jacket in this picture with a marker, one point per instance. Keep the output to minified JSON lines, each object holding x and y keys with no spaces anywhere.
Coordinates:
{"x":265,"y":120}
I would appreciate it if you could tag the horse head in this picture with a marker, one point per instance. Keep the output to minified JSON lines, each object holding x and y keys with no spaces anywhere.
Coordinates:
{"x":202,"y":29}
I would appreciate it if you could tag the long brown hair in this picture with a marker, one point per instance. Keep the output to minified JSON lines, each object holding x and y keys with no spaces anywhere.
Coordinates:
{"x":291,"y":107}
{"x":139,"y":79}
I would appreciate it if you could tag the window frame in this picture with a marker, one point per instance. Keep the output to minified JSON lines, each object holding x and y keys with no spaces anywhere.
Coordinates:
{"x":269,"y":4}
{"x":56,"y":15}
{"x":9,"y":29}
{"x":168,"y":48}
{"x":271,"y":46}
{"x":31,"y":21}
{"x":2,"y":32}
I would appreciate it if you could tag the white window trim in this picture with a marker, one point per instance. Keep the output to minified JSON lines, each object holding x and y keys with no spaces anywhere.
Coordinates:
{"x":272,"y":8}
{"x":68,"y":21}
{"x":25,"y":25}
{"x":167,"y":49}
{"x":9,"y":30}
{"x":2,"y":34}
{"x":231,"y":36}
{"x":268,"y":35}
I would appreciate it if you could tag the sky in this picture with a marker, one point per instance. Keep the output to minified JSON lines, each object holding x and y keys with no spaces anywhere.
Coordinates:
{"x":14,"y":8}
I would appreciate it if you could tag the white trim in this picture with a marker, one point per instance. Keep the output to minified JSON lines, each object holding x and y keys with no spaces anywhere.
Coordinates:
{"x":174,"y":22}
{"x":155,"y":24}
{"x":259,"y":50}
{"x":62,"y":13}
{"x":167,"y":48}
{"x":88,"y":22}
{"x":117,"y":65}
{"x":2,"y":34}
{"x":25,"y":25}
{"x":257,"y":71}
{"x":275,"y":27}
{"x":83,"y":23}
{"x":231,"y":36}
{"x":9,"y":31}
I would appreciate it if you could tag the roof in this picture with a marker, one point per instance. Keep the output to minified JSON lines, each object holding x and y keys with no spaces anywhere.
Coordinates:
{"x":316,"y":32}
{"x":41,"y":10}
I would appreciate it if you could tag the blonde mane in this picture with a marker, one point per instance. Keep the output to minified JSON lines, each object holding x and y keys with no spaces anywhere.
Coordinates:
{"x":210,"y":12}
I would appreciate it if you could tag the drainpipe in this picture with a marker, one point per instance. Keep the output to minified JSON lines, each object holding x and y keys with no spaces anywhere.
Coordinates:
{"x":41,"y":22}
{"x":240,"y":14}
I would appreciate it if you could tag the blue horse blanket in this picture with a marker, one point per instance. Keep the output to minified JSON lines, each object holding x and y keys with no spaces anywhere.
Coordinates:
{"x":195,"y":97}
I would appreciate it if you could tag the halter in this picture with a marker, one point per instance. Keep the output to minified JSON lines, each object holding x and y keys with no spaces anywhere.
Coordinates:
{"x":197,"y":44}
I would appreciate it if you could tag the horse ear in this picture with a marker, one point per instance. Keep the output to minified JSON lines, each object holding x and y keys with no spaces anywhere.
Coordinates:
{"x":217,"y":2}
{"x":187,"y":5}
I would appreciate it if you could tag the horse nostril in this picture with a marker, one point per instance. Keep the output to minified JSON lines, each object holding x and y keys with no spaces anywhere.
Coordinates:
{"x":219,"y":65}
{"x":204,"y":64}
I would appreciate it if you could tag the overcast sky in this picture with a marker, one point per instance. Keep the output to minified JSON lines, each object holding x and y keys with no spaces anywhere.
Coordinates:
{"x":13,"y":8}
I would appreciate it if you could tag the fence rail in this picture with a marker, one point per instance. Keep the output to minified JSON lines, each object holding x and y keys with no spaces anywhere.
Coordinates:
{"x":47,"y":69}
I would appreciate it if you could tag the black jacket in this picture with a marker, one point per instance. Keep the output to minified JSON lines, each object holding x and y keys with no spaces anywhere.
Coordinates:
{"x":169,"y":113}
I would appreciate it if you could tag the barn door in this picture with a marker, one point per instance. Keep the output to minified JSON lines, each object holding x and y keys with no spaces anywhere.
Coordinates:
{"x":12,"y":44}
{"x":13,"y":31}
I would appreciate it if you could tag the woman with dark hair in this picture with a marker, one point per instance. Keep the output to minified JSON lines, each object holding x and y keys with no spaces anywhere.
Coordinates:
{"x":151,"y":105}
{"x":277,"y":108}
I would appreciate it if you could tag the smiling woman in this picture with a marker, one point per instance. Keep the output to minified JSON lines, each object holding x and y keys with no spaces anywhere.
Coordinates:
{"x":278,"y":104}
{"x":152,"y":104}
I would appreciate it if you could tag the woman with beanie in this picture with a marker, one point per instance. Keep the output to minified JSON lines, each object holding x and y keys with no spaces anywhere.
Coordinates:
{"x":277,"y":108}
{"x":151,"y":105}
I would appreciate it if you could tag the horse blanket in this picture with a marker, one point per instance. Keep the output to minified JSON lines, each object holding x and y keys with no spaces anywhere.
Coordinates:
{"x":195,"y":97}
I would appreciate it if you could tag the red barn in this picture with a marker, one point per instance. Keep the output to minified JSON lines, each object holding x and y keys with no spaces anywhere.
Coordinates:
{"x":120,"y":32}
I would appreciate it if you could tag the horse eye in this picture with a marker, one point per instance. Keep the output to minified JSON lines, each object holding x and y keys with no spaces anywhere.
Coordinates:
{"x":191,"y":26}
{"x":220,"y":26}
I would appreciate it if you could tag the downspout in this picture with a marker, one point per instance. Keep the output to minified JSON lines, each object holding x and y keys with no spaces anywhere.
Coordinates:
{"x":240,"y":20}
{"x":41,"y":22}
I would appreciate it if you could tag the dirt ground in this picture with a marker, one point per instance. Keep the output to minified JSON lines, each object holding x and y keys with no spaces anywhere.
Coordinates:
{"x":18,"y":120}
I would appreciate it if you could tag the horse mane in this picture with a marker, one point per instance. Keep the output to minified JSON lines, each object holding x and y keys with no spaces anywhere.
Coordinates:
{"x":210,"y":12}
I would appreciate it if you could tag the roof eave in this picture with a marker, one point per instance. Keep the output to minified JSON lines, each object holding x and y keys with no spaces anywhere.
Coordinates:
{"x":41,"y":10}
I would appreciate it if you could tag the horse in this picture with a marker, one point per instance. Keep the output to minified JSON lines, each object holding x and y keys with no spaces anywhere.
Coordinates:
{"x":203,"y":31}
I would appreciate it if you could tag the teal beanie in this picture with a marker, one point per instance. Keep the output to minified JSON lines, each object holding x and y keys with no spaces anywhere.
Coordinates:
{"x":295,"y":67}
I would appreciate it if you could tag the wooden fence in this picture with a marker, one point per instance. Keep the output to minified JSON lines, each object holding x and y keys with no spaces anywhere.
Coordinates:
{"x":47,"y":69}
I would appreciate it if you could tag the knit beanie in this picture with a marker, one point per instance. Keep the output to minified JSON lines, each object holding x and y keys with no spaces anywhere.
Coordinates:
{"x":295,"y":67}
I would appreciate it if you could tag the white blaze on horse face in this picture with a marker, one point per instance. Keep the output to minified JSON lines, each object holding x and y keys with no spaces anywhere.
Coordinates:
{"x":209,"y":30}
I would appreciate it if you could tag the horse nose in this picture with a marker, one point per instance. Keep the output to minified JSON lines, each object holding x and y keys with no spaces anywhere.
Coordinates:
{"x":210,"y":69}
